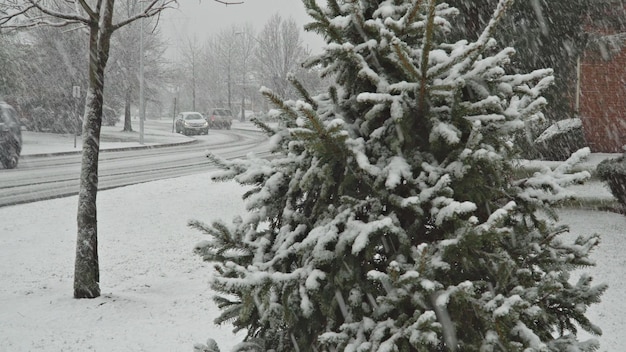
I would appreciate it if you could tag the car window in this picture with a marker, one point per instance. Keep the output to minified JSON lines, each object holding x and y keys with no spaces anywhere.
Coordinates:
{"x":9,"y":115}
{"x":221,"y":112}
{"x":194,"y":117}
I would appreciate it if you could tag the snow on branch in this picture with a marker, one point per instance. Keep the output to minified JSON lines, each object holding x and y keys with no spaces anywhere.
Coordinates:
{"x":549,"y":185}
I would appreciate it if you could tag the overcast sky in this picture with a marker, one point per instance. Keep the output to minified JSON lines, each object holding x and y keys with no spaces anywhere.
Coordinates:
{"x":206,"y":17}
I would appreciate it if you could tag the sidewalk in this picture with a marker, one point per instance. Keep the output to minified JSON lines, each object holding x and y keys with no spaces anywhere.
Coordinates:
{"x":111,"y":138}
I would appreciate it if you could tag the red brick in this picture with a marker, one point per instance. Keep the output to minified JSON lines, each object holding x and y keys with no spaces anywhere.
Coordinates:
{"x":603,"y":101}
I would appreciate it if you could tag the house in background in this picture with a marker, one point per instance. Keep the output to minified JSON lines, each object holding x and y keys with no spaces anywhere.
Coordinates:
{"x":602,"y":100}
{"x":601,"y":83}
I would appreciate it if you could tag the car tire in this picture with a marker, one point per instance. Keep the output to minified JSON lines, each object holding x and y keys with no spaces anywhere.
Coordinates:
{"x":9,"y":163}
{"x":12,"y":163}
{"x":10,"y":159}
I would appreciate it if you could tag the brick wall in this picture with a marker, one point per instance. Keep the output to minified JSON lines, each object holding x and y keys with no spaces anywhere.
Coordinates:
{"x":603,"y":101}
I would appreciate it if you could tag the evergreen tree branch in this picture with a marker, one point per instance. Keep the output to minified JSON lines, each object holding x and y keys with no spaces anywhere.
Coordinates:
{"x":412,"y":14}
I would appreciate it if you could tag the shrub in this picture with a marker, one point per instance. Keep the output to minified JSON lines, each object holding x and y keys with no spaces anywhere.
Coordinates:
{"x":44,"y":119}
{"x":613,"y":172}
{"x":109,"y":116}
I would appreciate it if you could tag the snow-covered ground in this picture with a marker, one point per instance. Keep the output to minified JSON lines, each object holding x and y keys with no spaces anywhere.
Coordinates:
{"x":155,"y":294}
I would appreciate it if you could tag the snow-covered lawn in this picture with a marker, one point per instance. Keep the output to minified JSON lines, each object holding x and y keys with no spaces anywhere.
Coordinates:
{"x":155,"y":290}
{"x":155,"y":294}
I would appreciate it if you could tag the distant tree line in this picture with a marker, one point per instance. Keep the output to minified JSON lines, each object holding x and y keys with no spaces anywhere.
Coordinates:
{"x":41,"y":66}
{"x":228,"y":69}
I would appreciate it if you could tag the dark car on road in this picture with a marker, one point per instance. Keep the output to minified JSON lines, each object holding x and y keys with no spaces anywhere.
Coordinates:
{"x":10,"y":136}
{"x":191,"y":122}
{"x":220,"y":118}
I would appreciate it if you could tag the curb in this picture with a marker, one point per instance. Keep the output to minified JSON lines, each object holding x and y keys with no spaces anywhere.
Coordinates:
{"x":118,"y":149}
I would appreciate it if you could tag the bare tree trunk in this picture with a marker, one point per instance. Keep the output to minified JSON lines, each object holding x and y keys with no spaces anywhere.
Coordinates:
{"x":97,"y":16}
{"x":193,"y":88}
{"x":128,"y":127}
{"x":86,"y":266}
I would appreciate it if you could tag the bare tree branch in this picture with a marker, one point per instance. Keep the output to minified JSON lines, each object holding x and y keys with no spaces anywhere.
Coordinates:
{"x":7,"y":17}
{"x":21,"y":14}
{"x":60,"y":15}
{"x":149,"y":11}
{"x":230,"y":2}
{"x":90,"y":12}
{"x":16,"y":15}
{"x":40,"y":23}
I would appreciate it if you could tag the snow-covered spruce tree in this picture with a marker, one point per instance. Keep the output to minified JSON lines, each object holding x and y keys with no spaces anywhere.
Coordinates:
{"x":390,"y":217}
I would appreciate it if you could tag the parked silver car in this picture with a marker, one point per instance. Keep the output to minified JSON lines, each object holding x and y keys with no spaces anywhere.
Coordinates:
{"x":191,"y":122}
{"x":10,"y":136}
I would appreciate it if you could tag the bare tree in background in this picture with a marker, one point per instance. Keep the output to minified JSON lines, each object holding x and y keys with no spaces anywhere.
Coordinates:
{"x":41,"y":63}
{"x":191,"y":53}
{"x":97,"y":17}
{"x":280,"y":52}
{"x":124,"y":63}
{"x":246,"y":50}
{"x":222,"y":51}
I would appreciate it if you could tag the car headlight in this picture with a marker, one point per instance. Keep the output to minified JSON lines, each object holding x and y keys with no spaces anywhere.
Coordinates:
{"x":205,"y":124}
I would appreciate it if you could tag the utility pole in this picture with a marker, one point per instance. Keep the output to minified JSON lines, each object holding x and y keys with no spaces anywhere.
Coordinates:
{"x":243,"y":88}
{"x":242,"y":118}
{"x":175,"y":107}
{"x":76,"y":95}
{"x":243,"y":78}
{"x":142,"y":105}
